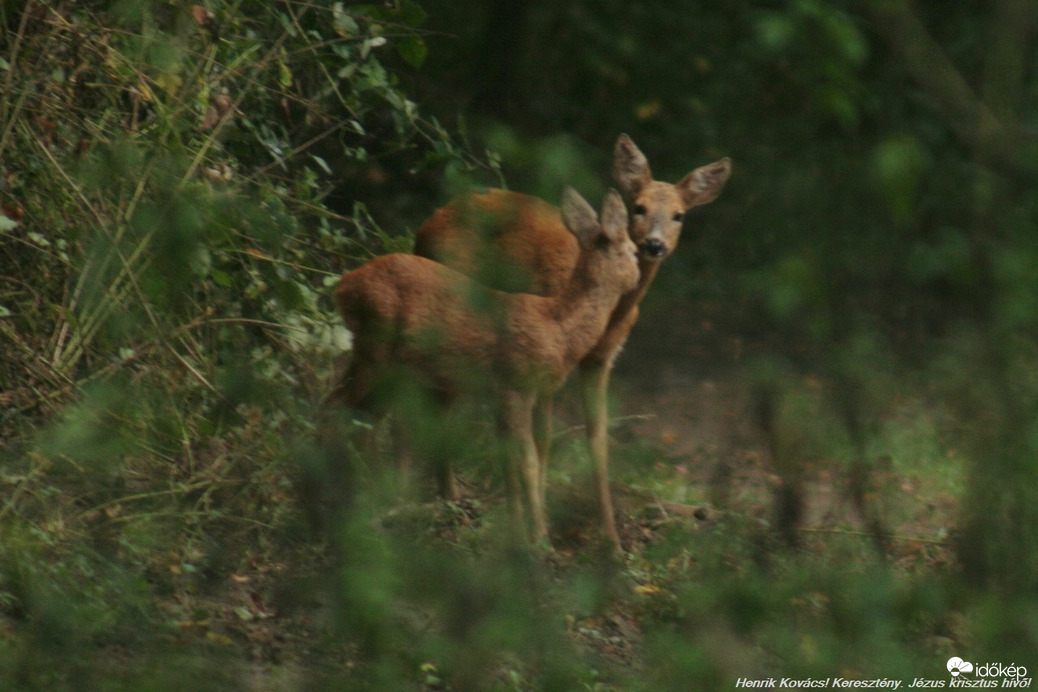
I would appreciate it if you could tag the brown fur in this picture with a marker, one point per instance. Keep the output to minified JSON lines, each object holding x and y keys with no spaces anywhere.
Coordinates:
{"x":538,"y":260}
{"x":497,"y":233}
{"x":410,"y":311}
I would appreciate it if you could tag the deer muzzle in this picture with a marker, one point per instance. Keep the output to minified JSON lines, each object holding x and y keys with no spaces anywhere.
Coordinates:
{"x":653,"y":248}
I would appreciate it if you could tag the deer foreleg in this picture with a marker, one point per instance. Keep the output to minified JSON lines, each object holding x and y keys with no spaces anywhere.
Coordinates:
{"x":594,"y":380}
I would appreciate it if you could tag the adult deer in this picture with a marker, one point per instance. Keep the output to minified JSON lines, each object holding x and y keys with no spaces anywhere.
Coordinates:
{"x":514,"y":242}
{"x":457,"y":335}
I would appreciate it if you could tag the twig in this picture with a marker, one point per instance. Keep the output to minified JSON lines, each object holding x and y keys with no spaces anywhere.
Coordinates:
{"x":619,"y":419}
{"x":147,"y":496}
{"x":866,"y":534}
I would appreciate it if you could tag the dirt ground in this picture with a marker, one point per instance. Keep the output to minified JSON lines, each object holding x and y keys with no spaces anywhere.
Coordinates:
{"x":681,"y":386}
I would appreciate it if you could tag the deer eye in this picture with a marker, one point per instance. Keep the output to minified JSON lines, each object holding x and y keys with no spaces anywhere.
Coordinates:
{"x":639,"y":210}
{"x":678,"y":216}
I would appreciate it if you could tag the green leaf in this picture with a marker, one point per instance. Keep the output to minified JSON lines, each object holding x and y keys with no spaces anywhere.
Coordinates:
{"x":775,"y":31}
{"x":411,"y":14}
{"x":852,"y":43}
{"x":322,"y":163}
{"x":39,"y":239}
{"x":344,"y":24}
{"x":371,"y":43}
{"x":413,"y":50}
{"x":221,"y":278}
{"x":7,"y":224}
{"x":898,"y":165}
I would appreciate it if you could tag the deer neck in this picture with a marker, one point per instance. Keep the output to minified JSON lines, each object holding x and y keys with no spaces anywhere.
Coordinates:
{"x":584,"y":307}
{"x":646,"y":273}
{"x":629,"y":301}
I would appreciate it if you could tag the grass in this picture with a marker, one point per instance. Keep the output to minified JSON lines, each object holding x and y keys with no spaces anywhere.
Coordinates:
{"x":214,"y":559}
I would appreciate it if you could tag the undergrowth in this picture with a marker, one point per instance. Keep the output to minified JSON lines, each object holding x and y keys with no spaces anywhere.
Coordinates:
{"x":167,"y":244}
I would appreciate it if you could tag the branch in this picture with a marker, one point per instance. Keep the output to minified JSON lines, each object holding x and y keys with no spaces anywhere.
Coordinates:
{"x":1009,"y":33}
{"x":993,"y":135}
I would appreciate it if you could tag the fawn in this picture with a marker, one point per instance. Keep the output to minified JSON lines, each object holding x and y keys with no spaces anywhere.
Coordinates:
{"x":411,"y":312}
{"x":495,"y":234}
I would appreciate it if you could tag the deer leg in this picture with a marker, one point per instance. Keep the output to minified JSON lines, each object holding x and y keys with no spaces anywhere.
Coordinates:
{"x":444,"y":448}
{"x":332,"y":488}
{"x":542,"y":411}
{"x":356,"y":392}
{"x":446,"y":480}
{"x":531,"y":469}
{"x":355,"y":386}
{"x":506,"y":432}
{"x":594,"y":380}
{"x":524,"y":462}
{"x":402,"y":449}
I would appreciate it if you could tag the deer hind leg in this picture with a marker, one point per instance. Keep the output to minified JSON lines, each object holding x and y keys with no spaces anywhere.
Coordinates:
{"x":355,"y":387}
{"x":594,"y":381}
{"x":421,"y":426}
{"x":331,"y":484}
{"x":504,"y":419}
{"x":402,"y":449}
{"x":542,"y":413}
{"x":357,"y":392}
{"x":443,"y":435}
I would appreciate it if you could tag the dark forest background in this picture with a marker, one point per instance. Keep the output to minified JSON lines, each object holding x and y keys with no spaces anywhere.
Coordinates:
{"x":182,"y":184}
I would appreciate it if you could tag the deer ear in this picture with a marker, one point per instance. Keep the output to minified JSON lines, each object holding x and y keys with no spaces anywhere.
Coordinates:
{"x":578,"y":215}
{"x":630,"y":167}
{"x":704,"y":184}
{"x":614,"y":215}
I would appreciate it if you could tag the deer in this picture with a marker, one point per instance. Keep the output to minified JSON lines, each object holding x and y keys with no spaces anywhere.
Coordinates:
{"x":460,"y":337}
{"x":515,"y":241}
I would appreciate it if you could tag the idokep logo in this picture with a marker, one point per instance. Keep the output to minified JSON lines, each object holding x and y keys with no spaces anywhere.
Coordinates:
{"x":1012,"y":673}
{"x":956,"y":666}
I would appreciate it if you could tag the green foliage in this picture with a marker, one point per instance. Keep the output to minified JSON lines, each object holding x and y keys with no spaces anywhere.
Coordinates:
{"x":164,"y":185}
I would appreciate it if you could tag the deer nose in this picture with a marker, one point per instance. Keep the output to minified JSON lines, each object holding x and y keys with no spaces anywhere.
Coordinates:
{"x":653,"y":247}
